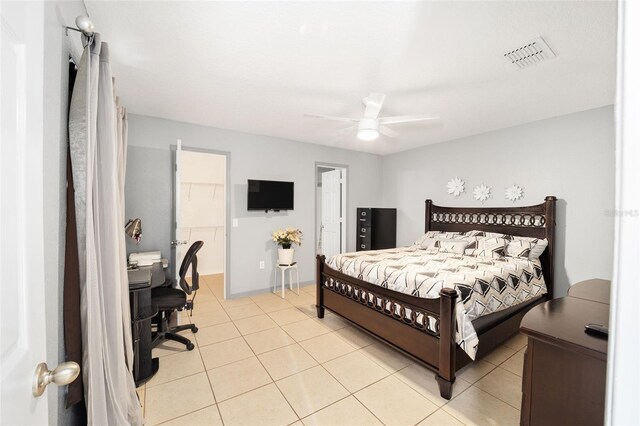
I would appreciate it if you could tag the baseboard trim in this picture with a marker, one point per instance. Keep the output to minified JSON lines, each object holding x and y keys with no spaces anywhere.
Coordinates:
{"x":261,"y":290}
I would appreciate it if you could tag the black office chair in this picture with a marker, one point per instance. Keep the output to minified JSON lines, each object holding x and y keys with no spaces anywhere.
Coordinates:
{"x":168,"y":299}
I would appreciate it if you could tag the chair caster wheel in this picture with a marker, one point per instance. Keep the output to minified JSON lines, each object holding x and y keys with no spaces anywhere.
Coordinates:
{"x":190,"y":346}
{"x":194,"y":329}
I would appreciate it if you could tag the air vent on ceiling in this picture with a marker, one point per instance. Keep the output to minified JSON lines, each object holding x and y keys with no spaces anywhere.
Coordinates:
{"x":531,"y":53}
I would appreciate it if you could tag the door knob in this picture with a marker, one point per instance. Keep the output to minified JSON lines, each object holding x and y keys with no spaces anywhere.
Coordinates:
{"x":178,"y":242}
{"x":63,"y":374}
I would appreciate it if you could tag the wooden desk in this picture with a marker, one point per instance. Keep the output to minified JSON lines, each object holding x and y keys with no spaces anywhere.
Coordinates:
{"x":564,"y":373}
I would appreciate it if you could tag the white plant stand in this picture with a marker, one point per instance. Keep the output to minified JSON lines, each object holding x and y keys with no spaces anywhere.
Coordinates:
{"x":283,"y":269}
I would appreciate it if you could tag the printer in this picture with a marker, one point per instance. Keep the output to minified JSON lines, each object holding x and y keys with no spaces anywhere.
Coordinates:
{"x":146,"y":258}
{"x":153,"y":261}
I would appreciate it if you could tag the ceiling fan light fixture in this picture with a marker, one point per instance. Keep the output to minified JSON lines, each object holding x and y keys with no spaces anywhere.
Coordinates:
{"x":368,"y":135}
{"x":371,"y":125}
{"x":368,"y":129}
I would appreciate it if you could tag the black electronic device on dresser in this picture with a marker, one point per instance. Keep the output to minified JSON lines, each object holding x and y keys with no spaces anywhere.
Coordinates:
{"x":376,"y":228}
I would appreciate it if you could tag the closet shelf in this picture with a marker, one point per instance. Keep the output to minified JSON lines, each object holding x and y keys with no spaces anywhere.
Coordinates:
{"x":185,"y":182}
{"x":210,"y":184}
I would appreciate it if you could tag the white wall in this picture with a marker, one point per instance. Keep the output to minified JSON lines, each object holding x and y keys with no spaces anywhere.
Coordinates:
{"x":148,"y":191}
{"x":571,"y":157}
{"x":203,"y":207}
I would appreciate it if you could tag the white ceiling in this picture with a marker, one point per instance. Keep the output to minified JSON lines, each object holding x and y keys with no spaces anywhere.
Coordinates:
{"x":257,"y":67}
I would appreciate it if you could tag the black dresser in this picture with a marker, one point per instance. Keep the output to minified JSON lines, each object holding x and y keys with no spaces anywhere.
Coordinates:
{"x":144,"y":365}
{"x":376,"y":228}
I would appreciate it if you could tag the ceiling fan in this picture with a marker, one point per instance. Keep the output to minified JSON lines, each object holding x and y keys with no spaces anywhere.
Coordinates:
{"x":370,"y":125}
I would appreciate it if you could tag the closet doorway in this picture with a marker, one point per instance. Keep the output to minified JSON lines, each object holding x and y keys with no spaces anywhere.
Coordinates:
{"x":200,"y":214}
{"x":331,"y":209}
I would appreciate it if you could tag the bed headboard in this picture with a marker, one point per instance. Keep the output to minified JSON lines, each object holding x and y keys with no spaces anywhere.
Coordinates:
{"x":530,"y":221}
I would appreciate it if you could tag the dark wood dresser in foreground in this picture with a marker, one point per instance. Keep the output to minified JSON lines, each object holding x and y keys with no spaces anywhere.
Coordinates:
{"x":565,"y":368}
{"x":376,"y":228}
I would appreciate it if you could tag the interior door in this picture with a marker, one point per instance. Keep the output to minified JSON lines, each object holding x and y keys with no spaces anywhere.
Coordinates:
{"x":177,"y":239}
{"x":332,"y":221}
{"x":22,"y":304}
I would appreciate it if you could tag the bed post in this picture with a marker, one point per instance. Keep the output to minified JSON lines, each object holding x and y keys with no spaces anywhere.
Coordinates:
{"x":319,"y":296}
{"x":427,"y":215}
{"x":447,"y":363}
{"x":550,"y":231}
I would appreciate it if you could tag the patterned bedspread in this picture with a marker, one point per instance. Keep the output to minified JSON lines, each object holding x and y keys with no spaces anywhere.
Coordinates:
{"x":484,"y":284}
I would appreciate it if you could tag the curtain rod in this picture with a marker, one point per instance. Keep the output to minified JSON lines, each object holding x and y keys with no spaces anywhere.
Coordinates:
{"x":84,"y":26}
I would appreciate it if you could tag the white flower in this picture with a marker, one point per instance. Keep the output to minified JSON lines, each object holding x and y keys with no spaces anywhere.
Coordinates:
{"x":482,"y":193}
{"x":514,"y":193}
{"x":455,"y":187}
{"x":287,"y":236}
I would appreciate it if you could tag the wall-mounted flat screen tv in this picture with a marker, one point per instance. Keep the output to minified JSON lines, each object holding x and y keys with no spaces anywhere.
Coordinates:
{"x":269,"y":195}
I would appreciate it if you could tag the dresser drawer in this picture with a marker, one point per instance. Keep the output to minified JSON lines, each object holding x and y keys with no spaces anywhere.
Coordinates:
{"x":364,"y":217}
{"x":362,"y":246}
{"x":363,"y":241}
{"x":375,"y":228}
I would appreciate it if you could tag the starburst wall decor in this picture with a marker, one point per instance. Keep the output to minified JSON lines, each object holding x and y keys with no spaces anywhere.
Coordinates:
{"x":482,"y":193}
{"x":514,"y":193}
{"x":455,"y":187}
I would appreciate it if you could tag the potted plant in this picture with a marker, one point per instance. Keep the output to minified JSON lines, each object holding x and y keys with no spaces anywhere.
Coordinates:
{"x":285,"y":238}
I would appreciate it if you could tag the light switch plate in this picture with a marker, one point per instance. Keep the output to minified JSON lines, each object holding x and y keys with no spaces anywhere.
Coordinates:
{"x":235,"y":223}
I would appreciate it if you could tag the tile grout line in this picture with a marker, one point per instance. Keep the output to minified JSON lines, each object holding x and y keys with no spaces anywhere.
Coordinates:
{"x":496,"y":396}
{"x":182,"y":415}
{"x":190,"y":375}
{"x":274,"y":383}
{"x":447,"y":403}
{"x":350,"y":393}
{"x":269,"y":374}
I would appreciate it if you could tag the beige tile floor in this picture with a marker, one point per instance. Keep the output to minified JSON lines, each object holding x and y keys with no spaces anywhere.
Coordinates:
{"x":261,"y":360}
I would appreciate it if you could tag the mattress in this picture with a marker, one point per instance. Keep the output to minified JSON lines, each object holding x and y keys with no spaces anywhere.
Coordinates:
{"x":484,"y":285}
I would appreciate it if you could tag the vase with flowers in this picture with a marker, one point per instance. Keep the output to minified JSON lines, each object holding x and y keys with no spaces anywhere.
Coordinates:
{"x":285,"y":238}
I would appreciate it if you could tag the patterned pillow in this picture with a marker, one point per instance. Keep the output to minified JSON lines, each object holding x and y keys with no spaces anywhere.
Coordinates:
{"x":475,"y":233}
{"x":441,"y":235}
{"x":520,"y":248}
{"x":445,"y":245}
{"x":493,"y":247}
{"x":528,"y":248}
{"x":487,"y":234}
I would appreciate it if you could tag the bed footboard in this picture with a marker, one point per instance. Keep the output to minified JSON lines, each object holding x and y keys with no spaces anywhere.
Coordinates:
{"x":422,"y":328}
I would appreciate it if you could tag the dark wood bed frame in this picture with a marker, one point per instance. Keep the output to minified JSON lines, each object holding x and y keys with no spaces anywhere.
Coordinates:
{"x":424,"y":328}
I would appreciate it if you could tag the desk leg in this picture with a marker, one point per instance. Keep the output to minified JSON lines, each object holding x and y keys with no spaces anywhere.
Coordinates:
{"x":298,"y":280}
{"x":283,"y":283}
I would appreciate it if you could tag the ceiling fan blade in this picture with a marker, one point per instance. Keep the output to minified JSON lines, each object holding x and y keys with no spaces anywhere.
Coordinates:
{"x":344,"y":131}
{"x":408,"y":118}
{"x":373,"y":102}
{"x":387,"y":132}
{"x":330,"y":117}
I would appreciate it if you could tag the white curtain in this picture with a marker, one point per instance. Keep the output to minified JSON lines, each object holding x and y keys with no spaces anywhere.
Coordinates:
{"x":97,"y":135}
